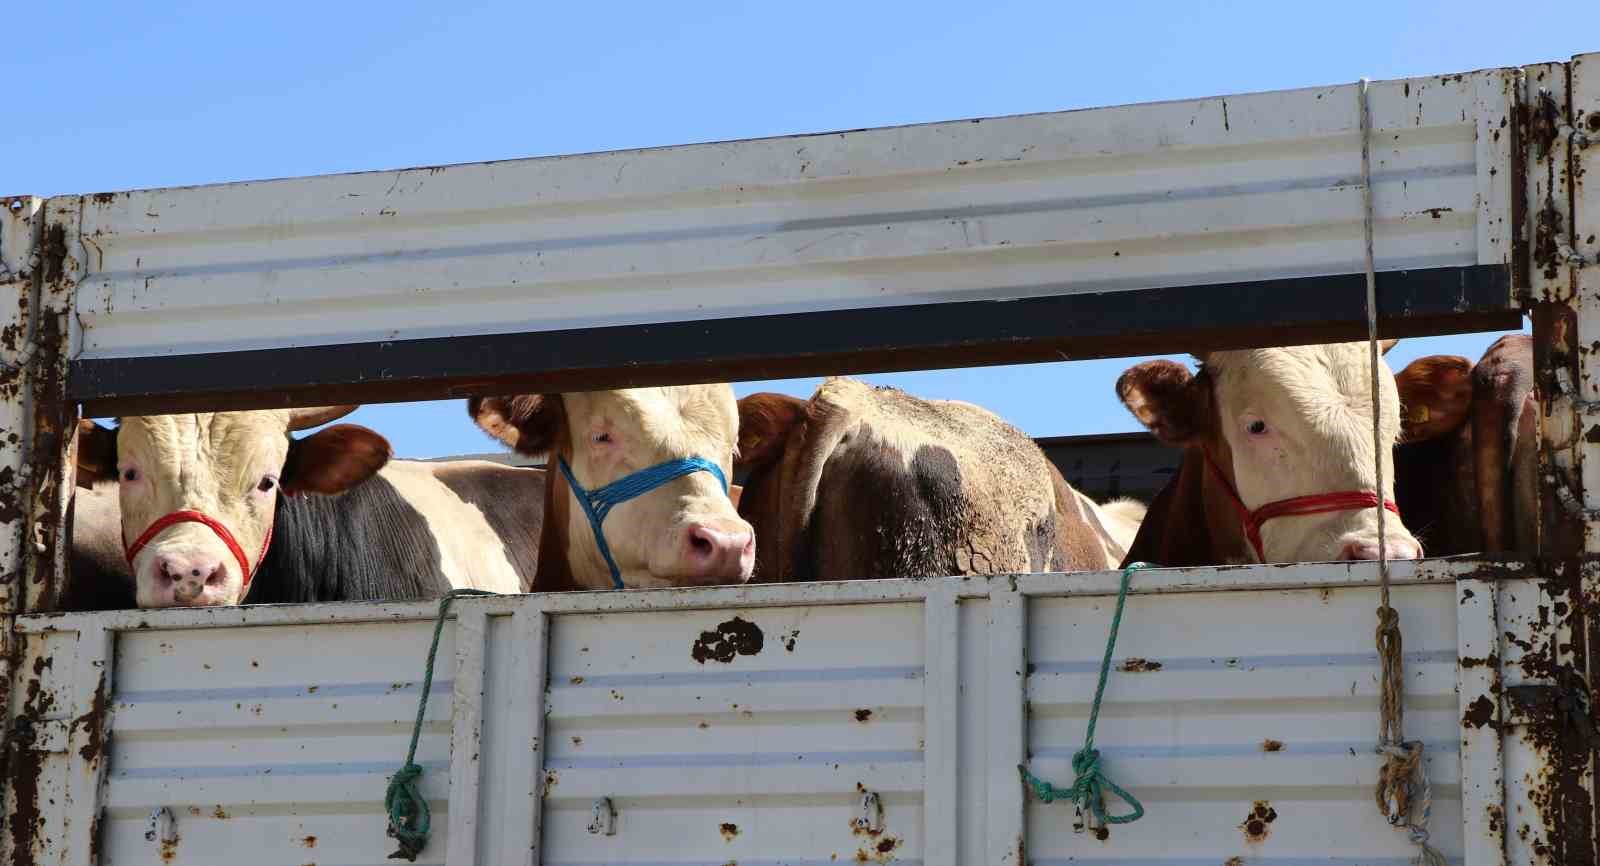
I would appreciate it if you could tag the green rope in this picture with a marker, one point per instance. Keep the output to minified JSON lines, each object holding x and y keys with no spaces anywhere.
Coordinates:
{"x":409,"y":818}
{"x":1088,"y":788}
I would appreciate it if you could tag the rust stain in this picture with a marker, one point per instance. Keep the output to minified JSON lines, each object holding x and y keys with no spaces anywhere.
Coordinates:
{"x":729,"y":831}
{"x":169,"y":849}
{"x":1233,"y":861}
{"x":789,"y":640}
{"x":1139,"y":666}
{"x":577,"y":681}
{"x":309,"y":841}
{"x":93,"y":724}
{"x":736,"y":637}
{"x":1480,"y":713}
{"x":577,"y":741}
{"x":863,"y":715}
{"x":551,"y":780}
{"x":1258,"y":824}
{"x":220,"y":814}
{"x":1271,"y":745}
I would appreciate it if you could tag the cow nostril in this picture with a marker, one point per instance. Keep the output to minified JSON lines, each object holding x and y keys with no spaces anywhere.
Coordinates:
{"x":699,"y":543}
{"x":194,"y":572}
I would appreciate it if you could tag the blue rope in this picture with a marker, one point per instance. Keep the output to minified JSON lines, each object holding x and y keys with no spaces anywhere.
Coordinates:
{"x":599,"y":502}
{"x":1090,"y":782}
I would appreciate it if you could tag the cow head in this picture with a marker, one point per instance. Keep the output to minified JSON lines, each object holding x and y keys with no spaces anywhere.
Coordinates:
{"x":1283,"y":423}
{"x":684,"y":531}
{"x":198,"y":493}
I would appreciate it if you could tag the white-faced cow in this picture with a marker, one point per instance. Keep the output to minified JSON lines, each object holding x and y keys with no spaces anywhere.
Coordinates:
{"x":1467,"y":467}
{"x":638,"y":492}
{"x":1278,"y":457}
{"x":862,"y":482}
{"x":226,"y":507}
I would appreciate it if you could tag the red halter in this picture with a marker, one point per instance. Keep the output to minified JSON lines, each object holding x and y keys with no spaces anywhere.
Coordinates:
{"x":211,"y":523}
{"x":1317,"y":503}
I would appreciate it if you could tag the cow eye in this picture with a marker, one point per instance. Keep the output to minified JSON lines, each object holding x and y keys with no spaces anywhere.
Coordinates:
{"x":267,"y":483}
{"x":1257,"y":427}
{"x":130,"y":474}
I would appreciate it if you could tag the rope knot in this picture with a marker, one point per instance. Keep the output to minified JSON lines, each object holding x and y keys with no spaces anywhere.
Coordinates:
{"x":409,"y":818}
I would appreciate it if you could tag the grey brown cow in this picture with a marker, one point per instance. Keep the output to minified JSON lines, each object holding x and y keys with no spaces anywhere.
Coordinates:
{"x":862,"y":482}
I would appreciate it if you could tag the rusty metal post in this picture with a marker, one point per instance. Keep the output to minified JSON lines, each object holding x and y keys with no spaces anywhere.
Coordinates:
{"x":52,"y":448}
{"x":1561,"y":220}
{"x":1579,"y":252}
{"x":20,"y":223}
{"x":37,"y":280}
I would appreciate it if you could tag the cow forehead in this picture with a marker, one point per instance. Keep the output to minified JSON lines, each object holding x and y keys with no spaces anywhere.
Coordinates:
{"x":694,"y":411}
{"x":1313,"y":378}
{"x":224,"y":441}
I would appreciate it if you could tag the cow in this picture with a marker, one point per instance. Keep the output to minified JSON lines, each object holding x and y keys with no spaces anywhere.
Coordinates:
{"x":1467,"y":466}
{"x":638,"y":493}
{"x":223,"y":508}
{"x":98,"y":577}
{"x":1278,"y":462}
{"x":863,"y":482}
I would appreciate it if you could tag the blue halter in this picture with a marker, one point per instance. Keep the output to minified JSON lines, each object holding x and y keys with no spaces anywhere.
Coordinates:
{"x":598,"y":503}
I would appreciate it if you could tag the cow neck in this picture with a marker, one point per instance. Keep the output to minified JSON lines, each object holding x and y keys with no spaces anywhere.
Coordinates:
{"x":1191,"y":522}
{"x":554,"y":573}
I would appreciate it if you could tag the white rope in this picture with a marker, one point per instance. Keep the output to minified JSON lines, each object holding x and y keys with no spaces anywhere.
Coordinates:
{"x":1372,"y":335}
{"x":1395,"y":795}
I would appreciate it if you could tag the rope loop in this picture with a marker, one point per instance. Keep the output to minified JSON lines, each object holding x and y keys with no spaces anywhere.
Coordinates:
{"x":410,"y":820}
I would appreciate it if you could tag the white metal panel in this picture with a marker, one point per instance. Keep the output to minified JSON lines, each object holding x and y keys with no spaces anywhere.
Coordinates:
{"x":736,"y":737}
{"x":271,"y":730}
{"x":1194,"y":192}
{"x":1223,"y":707}
{"x":272,"y":744}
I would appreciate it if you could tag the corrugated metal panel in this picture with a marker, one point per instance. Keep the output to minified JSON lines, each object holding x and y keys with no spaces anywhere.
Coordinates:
{"x":1225,"y":708}
{"x":1172,"y":194}
{"x":744,"y":724}
{"x":271,"y":744}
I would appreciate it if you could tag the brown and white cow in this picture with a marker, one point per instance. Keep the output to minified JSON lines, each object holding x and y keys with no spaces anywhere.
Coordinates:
{"x":672,"y":447}
{"x":1467,"y":466}
{"x":1285,"y":428}
{"x":209,"y":512}
{"x":862,"y":482}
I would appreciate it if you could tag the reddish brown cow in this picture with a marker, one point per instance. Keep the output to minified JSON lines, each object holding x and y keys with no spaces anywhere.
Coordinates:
{"x":1467,"y":468}
{"x":863,"y":483}
{"x":1278,"y":459}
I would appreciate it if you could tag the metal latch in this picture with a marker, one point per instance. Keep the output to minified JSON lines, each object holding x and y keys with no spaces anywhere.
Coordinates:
{"x":869,"y":817}
{"x":1569,"y":704}
{"x":45,"y":735}
{"x":163,"y":827}
{"x":604,"y":821}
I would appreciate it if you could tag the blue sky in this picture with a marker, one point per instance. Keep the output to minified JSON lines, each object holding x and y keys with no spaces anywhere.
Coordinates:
{"x":117,"y":96}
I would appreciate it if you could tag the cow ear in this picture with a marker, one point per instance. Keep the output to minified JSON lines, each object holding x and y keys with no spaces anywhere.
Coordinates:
{"x":764,"y":423}
{"x":1167,"y":399}
{"x":333,"y":460}
{"x":527,"y":424}
{"x":97,"y":453}
{"x":1435,"y":396}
